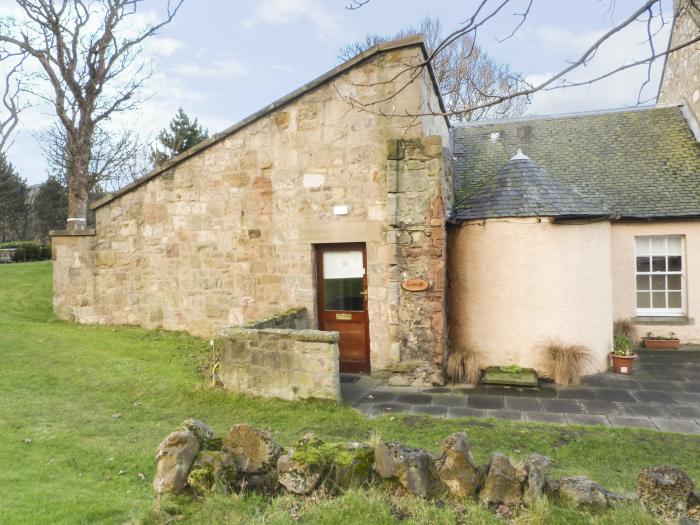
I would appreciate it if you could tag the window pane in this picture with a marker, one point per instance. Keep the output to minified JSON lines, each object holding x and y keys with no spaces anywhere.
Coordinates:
{"x":337,"y":265}
{"x":642,"y":282}
{"x":674,"y":263}
{"x":658,"y":300}
{"x":643,"y":244}
{"x":643,"y":300}
{"x":343,"y":294}
{"x":675,"y":246}
{"x":658,"y":245}
{"x":658,"y":264}
{"x":674,"y":299}
{"x":643,"y":264}
{"x":674,"y":282}
{"x":658,"y":282}
{"x":343,"y":274}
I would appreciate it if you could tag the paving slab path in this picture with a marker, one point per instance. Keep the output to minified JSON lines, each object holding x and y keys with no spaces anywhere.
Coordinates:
{"x":662,"y":394}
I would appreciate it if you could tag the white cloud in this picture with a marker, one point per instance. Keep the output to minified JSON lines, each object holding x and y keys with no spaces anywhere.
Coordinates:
{"x":285,"y":12}
{"x":282,"y":69}
{"x":215,"y":68}
{"x":164,"y":46}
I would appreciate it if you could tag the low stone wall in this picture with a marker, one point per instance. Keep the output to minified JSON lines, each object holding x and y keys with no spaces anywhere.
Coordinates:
{"x":286,"y":363}
{"x":191,"y":460}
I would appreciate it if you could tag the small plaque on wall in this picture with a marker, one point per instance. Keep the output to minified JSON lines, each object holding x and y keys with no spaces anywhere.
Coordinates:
{"x":415,"y":285}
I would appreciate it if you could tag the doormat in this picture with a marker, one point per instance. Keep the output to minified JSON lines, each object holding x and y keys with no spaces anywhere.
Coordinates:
{"x":349,"y":379}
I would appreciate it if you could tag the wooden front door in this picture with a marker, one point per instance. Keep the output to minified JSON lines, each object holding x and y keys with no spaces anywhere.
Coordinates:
{"x":342,"y":301}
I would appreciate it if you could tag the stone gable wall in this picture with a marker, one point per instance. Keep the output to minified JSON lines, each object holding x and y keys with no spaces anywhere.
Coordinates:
{"x":681,"y":80}
{"x":227,"y":236}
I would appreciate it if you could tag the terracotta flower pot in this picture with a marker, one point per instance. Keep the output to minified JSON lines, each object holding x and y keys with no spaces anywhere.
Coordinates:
{"x":622,"y":364}
{"x":661,"y":344}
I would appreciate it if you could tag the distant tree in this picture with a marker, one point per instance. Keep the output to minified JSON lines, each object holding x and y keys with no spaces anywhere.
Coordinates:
{"x":51,"y":206}
{"x":465,"y":74}
{"x":180,"y":135}
{"x":14,"y":207}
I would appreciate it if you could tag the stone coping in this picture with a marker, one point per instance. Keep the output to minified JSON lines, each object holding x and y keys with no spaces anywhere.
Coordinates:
{"x":278,"y":318}
{"x":89,"y":232}
{"x":313,"y":336}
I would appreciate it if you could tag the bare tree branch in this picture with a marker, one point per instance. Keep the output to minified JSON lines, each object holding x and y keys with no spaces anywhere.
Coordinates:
{"x":464,"y":73}
{"x":87,"y":51}
{"x":116,"y":157}
{"x":647,"y":12}
{"x":12,"y":90}
{"x":356,"y":4}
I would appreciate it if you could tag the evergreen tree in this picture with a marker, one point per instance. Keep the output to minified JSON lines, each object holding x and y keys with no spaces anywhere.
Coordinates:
{"x":181,"y":134}
{"x":51,"y":206}
{"x":14,"y":203}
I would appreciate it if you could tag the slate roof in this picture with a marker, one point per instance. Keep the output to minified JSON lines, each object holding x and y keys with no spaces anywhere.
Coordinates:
{"x":524,"y":189}
{"x":634,"y":164}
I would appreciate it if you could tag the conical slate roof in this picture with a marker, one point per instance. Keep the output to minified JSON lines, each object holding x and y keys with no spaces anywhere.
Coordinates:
{"x":524,"y":189}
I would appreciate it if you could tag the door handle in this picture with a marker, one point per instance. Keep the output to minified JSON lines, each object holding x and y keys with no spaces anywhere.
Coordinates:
{"x":363,"y":293}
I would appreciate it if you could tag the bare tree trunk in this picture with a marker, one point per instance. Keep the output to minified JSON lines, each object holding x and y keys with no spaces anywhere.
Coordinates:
{"x":78,"y":166}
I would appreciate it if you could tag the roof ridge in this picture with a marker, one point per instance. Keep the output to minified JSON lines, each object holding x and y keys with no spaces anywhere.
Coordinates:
{"x":556,"y":116}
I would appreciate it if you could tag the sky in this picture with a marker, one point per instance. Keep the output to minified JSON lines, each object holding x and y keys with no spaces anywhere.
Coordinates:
{"x":222,"y":60}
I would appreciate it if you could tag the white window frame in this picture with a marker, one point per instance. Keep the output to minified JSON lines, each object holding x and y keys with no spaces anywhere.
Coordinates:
{"x":660,"y":312}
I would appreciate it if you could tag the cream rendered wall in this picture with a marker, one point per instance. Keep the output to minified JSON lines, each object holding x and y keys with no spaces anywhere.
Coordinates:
{"x":516,"y":283}
{"x":623,"y":271}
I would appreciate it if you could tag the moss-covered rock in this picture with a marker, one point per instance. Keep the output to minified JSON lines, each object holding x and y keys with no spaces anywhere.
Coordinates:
{"x":310,"y":460}
{"x":254,"y":451}
{"x":456,"y":467}
{"x":414,"y":469}
{"x":665,"y":490}
{"x":201,"y":430}
{"x":212,"y":471}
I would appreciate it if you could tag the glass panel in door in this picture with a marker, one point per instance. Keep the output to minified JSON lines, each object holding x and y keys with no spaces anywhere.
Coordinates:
{"x":343,"y":275}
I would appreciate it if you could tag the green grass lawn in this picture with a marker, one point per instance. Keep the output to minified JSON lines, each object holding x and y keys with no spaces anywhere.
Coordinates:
{"x":95,"y":401}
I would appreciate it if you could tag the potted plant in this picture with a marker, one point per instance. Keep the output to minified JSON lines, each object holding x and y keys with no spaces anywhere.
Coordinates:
{"x":622,"y":356}
{"x":660,"y":342}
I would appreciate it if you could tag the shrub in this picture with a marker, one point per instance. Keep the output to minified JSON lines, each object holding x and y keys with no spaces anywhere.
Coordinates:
{"x":463,"y":366}
{"x":564,"y":363}
{"x":627,"y":328}
{"x":29,"y":251}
